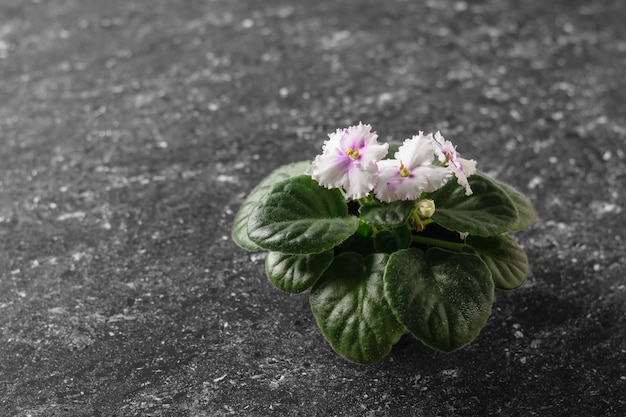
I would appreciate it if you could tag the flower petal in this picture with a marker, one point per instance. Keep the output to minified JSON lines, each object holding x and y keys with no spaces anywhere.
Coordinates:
{"x":462,"y":168}
{"x":435,"y":177}
{"x":444,"y":148}
{"x":416,"y":151}
{"x":359,"y":183}
{"x":393,"y":186}
{"x":468,"y":167}
{"x":388,"y":169}
{"x":329,"y":171}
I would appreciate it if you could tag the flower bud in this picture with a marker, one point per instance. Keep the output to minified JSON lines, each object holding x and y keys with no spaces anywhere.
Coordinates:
{"x":426,"y":208}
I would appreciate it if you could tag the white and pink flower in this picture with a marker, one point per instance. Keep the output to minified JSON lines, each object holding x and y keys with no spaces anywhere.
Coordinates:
{"x":462,"y":168}
{"x":412,"y":172}
{"x":348,"y":161}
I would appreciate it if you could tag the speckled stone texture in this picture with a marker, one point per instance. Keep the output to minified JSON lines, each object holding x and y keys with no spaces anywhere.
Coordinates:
{"x":131,"y":131}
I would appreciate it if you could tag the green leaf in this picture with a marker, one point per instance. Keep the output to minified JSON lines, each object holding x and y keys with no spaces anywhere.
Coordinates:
{"x":351,"y":310}
{"x":296,"y":273}
{"x":299,"y":216}
{"x":391,"y":151}
{"x":389,"y":241}
{"x":240,"y":223}
{"x":489,"y":211}
{"x":525,"y":210}
{"x":358,"y":243}
{"x":387,"y":215}
{"x":504,"y":258}
{"x":444,"y":298}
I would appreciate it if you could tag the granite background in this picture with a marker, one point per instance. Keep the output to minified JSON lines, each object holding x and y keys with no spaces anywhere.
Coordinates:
{"x":131,"y":131}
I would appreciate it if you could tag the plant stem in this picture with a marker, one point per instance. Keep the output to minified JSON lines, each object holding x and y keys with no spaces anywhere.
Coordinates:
{"x":438,"y":242}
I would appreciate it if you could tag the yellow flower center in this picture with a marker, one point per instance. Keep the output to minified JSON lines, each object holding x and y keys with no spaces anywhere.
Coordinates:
{"x":352,"y":153}
{"x":403,"y":171}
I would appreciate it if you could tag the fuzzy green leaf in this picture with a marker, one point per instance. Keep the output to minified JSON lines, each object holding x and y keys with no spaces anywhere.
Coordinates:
{"x":444,"y":298}
{"x":299,"y":216}
{"x":504,"y":258}
{"x":489,"y":211}
{"x":389,"y":241}
{"x":240,"y":223}
{"x":525,"y":210}
{"x":351,"y":310}
{"x":358,"y":243}
{"x":387,"y":215}
{"x":296,"y":273}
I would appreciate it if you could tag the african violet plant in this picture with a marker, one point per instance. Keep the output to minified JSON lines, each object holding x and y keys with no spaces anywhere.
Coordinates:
{"x":388,"y":241}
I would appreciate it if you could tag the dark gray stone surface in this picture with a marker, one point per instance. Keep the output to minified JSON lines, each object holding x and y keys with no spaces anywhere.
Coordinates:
{"x":130,"y":131}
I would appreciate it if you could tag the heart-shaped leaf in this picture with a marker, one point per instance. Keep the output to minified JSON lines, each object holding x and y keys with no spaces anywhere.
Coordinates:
{"x":299,"y":216}
{"x":489,"y":211}
{"x":240,"y":223}
{"x":444,"y":298}
{"x":351,"y":310}
{"x":506,"y":260}
{"x":387,"y":215}
{"x":296,"y":273}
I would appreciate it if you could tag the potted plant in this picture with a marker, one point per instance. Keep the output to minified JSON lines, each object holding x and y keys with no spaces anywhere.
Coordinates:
{"x":388,"y":239}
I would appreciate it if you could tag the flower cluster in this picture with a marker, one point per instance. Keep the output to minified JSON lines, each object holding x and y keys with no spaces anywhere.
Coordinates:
{"x":352,"y":160}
